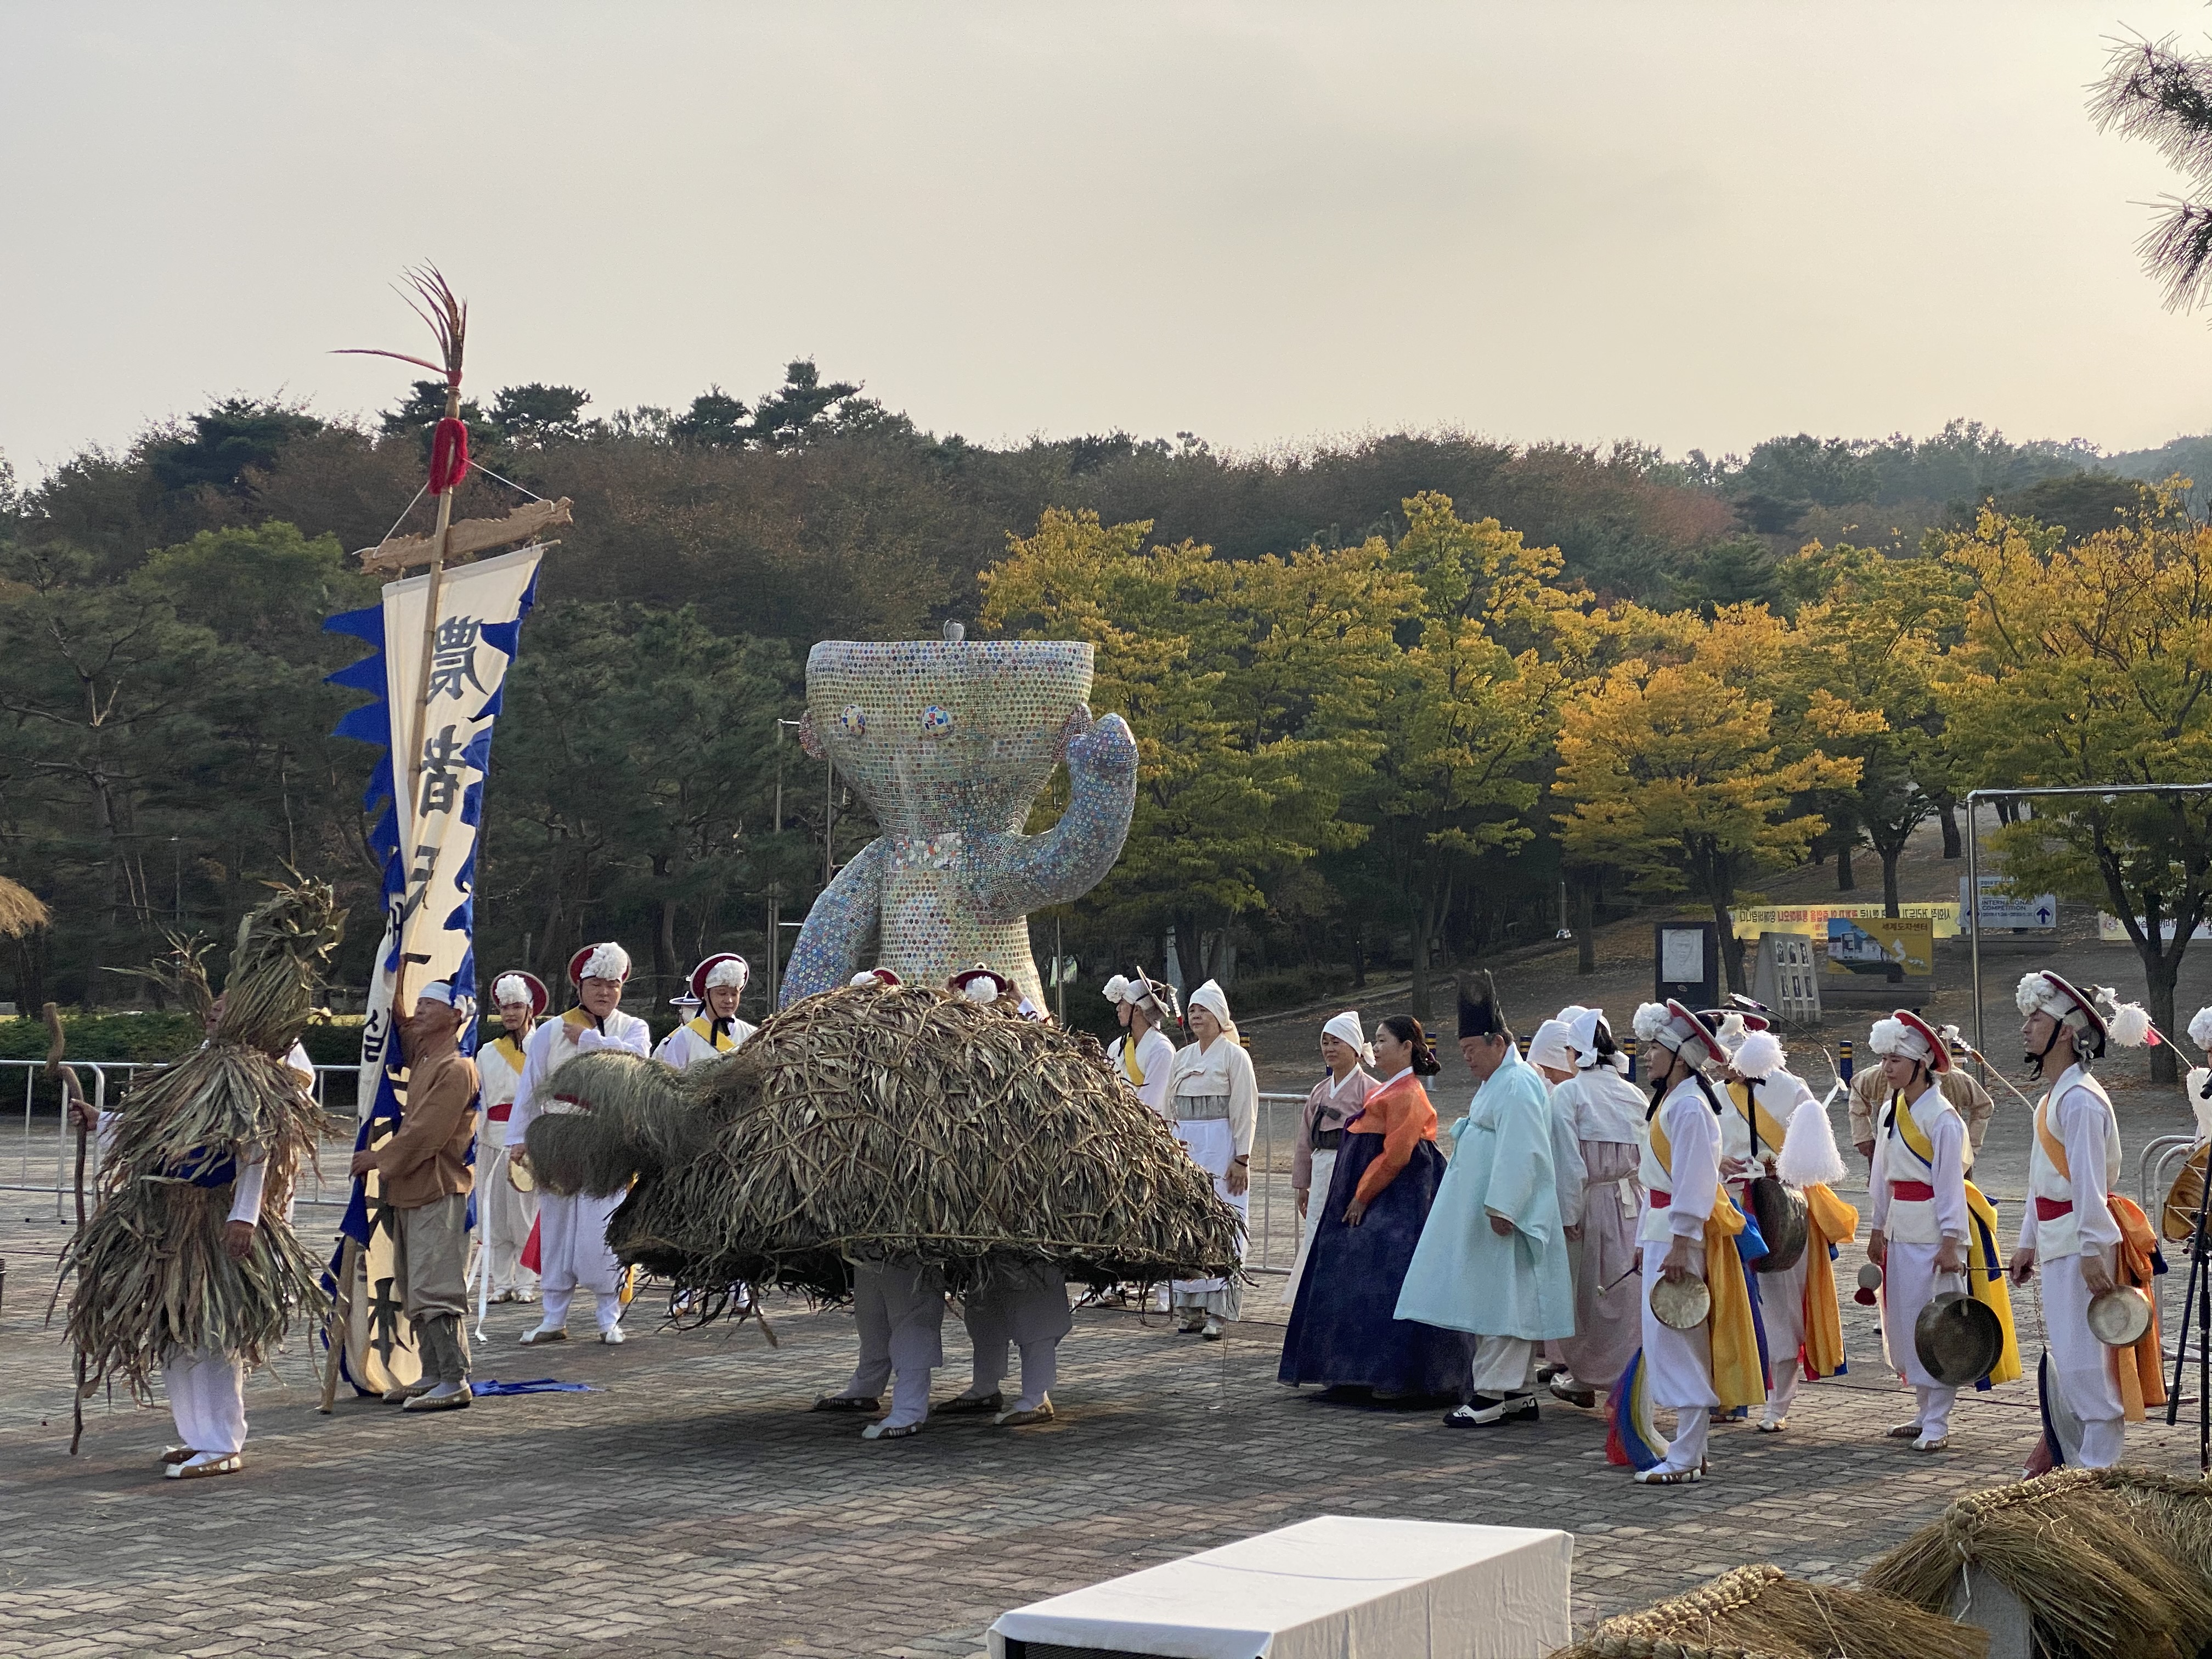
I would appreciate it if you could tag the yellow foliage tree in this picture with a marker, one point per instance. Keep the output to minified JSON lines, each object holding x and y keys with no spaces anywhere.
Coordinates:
{"x":2091,"y":664}
{"x":1681,"y":767}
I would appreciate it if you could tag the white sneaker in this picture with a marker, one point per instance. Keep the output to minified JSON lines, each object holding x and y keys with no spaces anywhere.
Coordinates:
{"x":613,"y":1334}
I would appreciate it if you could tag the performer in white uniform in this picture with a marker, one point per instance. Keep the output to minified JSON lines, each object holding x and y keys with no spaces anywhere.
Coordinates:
{"x":719,"y":983}
{"x":1143,"y":1054}
{"x":1023,"y":1305}
{"x":1919,"y":1215}
{"x":1333,"y":1102}
{"x":2069,"y":1231}
{"x":572,"y":1228}
{"x":1216,"y":1098}
{"x":1682,"y":1186}
{"x":507,"y":1213}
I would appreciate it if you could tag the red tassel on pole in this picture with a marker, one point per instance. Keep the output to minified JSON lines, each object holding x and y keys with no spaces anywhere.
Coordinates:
{"x":449,"y":455}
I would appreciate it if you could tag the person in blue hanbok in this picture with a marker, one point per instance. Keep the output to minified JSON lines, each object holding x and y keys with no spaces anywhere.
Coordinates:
{"x":1342,"y":1332}
{"x":1492,"y":1260}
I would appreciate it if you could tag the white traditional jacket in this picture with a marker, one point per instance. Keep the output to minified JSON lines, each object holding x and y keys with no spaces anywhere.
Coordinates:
{"x":547,"y":1051}
{"x":697,"y":1039}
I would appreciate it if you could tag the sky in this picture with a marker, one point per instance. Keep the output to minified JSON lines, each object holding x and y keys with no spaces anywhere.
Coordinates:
{"x":1276,"y":224}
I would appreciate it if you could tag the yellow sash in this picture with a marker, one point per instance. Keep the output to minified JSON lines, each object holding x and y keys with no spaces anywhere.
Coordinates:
{"x":1770,"y":1132}
{"x":508,"y":1049}
{"x":2053,"y":1148}
{"x":704,"y":1030}
{"x":1986,"y":1277}
{"x":1910,"y":1132}
{"x":1131,"y":1068}
{"x":1738,"y":1377}
{"x":1828,"y":1220}
{"x":582,"y":1021}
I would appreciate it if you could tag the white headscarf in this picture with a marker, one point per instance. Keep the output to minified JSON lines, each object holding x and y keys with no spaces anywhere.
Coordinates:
{"x":441,"y":990}
{"x":1582,"y":1031}
{"x":1549,"y":1046}
{"x":1345,"y":1028}
{"x":1211,"y":997}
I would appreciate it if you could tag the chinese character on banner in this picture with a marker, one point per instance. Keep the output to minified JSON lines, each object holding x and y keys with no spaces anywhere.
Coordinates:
{"x":442,"y":772}
{"x":454,"y":662}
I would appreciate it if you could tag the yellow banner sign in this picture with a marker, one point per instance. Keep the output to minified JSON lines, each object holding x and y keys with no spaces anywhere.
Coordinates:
{"x":1752,"y":920}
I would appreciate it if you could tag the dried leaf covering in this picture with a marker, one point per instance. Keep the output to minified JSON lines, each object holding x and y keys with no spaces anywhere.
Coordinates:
{"x":20,"y":909}
{"x":886,"y":1123}
{"x":152,"y":1275}
{"x":2110,"y":1564}
{"x":1761,"y":1613}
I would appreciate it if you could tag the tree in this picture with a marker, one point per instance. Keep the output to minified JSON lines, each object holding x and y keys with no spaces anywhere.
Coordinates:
{"x":533,"y":416}
{"x":424,"y":406}
{"x":238,"y":436}
{"x":2151,"y":91}
{"x":1675,"y":770}
{"x":715,"y":418}
{"x":796,"y":410}
{"x":2091,"y":664}
{"x":1871,"y":651}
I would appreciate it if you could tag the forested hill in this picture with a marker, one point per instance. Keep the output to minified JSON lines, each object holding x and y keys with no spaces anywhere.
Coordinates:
{"x":165,"y":747}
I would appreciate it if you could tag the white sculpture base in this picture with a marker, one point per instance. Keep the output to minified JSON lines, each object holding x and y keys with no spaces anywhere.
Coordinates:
{"x":1323,"y":1589}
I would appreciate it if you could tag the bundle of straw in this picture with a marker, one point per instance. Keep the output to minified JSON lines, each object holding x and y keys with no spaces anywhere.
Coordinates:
{"x":152,"y":1275}
{"x":892,"y":1123}
{"x":1761,"y":1613}
{"x":2109,"y":1565}
{"x":20,"y":909}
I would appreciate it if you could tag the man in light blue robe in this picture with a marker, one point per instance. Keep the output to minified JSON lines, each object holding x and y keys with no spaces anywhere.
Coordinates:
{"x":1493,"y":1259}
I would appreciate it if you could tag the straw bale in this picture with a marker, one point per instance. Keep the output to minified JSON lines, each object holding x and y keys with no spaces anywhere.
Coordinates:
{"x":1761,"y":1613}
{"x":20,"y":909}
{"x":2099,"y":1559}
{"x":888,"y":1123}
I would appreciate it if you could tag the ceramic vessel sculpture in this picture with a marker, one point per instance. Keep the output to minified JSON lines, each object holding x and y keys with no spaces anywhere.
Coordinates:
{"x":951,"y":743}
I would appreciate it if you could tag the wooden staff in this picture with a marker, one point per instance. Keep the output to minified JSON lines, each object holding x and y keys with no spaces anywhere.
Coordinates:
{"x":72,"y":1104}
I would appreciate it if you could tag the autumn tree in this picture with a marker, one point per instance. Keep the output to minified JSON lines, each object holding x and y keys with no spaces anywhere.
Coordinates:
{"x":1675,"y":767}
{"x":2091,"y":664}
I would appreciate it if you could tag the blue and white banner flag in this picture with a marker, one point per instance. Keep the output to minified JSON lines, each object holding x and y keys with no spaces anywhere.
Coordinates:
{"x":429,"y":786}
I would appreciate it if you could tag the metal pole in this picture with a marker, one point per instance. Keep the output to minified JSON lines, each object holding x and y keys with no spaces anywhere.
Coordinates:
{"x":1973,"y":913}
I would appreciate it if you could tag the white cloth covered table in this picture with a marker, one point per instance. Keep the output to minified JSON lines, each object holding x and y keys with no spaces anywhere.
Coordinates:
{"x":1332,"y":1588}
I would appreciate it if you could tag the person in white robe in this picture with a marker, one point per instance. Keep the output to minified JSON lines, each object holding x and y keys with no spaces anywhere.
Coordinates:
{"x":2067,"y":1232}
{"x":719,"y":984}
{"x":504,"y":1213}
{"x":1681,"y":1177}
{"x":1215,"y":1096}
{"x":1919,"y":1220}
{"x":1330,"y":1104}
{"x":1604,"y":1113}
{"x":1555,"y":1063}
{"x":1143,"y":1054}
{"x":1493,"y":1259}
{"x":1761,"y":1097}
{"x":571,"y":1227}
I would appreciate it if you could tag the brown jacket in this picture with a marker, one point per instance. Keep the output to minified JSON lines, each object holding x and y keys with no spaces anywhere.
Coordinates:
{"x":425,"y":1162}
{"x":1870,"y":1093}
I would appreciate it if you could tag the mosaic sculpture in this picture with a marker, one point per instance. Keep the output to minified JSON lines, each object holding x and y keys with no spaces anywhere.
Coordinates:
{"x":949,"y":744}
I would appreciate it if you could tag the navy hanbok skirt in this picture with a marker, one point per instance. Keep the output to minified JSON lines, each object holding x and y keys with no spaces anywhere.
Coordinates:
{"x":1342,"y":1332}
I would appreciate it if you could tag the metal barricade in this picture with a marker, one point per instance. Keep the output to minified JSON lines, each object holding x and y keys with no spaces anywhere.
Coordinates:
{"x":108,"y":1080}
{"x":2155,"y":1168}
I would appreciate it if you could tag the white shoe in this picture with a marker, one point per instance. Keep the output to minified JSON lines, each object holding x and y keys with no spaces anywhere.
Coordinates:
{"x":544,"y":1334}
{"x":1770,"y":1423}
{"x":1941,"y":1442}
{"x":885,"y":1431}
{"x":1210,"y":1331}
{"x":613,"y":1334}
{"x":528,"y":1298}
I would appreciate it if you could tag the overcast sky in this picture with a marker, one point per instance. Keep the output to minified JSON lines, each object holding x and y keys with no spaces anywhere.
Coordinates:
{"x":1694,"y":224}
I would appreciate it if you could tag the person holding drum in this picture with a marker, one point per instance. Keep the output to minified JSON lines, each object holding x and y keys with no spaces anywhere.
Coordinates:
{"x":1919,"y":1216}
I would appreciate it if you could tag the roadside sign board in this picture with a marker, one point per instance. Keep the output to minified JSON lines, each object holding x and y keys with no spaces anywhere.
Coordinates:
{"x":2005,"y":912}
{"x":1890,"y":948}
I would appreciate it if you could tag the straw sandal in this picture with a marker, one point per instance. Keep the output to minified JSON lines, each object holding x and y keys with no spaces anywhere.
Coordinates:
{"x":230,"y":1465}
{"x":1017,"y":1419}
{"x":885,"y":1432}
{"x":539,"y":1336}
{"x":846,"y":1402}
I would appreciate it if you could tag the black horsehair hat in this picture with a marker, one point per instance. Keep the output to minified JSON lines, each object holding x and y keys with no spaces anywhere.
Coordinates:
{"x":1479,"y":1014}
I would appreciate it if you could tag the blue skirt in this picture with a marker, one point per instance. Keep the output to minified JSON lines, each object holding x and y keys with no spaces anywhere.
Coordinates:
{"x":1342,"y":1332}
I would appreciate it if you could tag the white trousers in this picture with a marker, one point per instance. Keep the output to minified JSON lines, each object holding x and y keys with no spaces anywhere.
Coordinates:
{"x":1212,"y":1146}
{"x":1934,"y":1402}
{"x":901,"y":1314}
{"x":573,"y":1253}
{"x":1324,"y":1170}
{"x":2082,"y":1366}
{"x":1909,"y":1283}
{"x":506,"y":1218}
{"x":1031,"y":1317}
{"x":207,"y":1396}
{"x":1502,"y":1364}
{"x":1679,"y":1365}
{"x":1782,"y":1315}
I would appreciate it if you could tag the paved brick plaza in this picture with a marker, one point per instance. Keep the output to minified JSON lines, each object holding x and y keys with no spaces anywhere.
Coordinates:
{"x":692,"y":1506}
